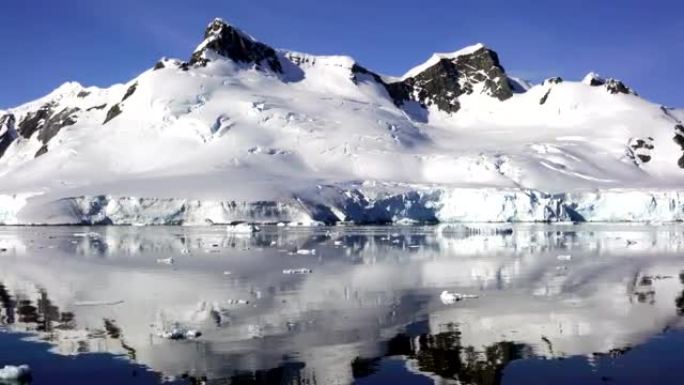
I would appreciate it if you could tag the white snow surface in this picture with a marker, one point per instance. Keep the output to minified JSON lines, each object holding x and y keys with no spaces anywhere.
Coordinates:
{"x":227,"y":142}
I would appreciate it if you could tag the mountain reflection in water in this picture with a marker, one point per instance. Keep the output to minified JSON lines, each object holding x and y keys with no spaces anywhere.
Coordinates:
{"x":369,"y":311}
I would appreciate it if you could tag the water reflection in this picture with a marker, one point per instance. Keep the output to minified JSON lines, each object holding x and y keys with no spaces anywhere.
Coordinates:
{"x":542,"y":291}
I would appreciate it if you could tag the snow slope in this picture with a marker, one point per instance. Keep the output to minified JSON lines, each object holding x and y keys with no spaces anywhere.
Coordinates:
{"x":245,"y":132}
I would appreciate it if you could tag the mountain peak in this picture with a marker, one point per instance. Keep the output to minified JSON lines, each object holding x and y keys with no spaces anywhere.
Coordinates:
{"x":439,"y":56}
{"x":614,"y":86}
{"x":443,"y":78}
{"x":223,"y":40}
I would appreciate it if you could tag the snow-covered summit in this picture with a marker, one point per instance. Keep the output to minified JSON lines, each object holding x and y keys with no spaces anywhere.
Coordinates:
{"x":437,"y":57}
{"x":245,"y":132}
{"x":222,"y":39}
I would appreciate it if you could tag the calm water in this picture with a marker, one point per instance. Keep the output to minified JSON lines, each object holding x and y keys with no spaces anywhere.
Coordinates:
{"x":590,"y":304}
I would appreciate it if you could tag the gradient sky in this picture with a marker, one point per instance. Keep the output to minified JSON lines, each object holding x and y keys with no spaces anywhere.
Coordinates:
{"x":100,"y":42}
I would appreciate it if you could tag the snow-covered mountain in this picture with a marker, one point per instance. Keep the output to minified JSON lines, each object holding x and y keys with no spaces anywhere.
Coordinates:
{"x":243,"y":131}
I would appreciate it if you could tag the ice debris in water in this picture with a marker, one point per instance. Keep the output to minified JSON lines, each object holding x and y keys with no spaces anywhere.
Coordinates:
{"x":306,"y":252}
{"x":448,"y":298}
{"x":242,"y":228}
{"x":180,"y":334}
{"x":298,"y":271}
{"x":237,"y":302}
{"x":15,"y":373}
{"x":564,"y":257}
{"x":166,"y":261}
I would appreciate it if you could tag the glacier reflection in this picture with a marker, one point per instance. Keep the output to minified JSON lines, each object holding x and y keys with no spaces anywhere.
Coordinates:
{"x":543,"y":291}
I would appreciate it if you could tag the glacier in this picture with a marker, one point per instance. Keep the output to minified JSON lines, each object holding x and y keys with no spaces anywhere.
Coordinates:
{"x":337,"y":205}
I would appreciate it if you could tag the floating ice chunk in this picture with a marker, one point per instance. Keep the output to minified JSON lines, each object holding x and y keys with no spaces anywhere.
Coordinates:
{"x":237,"y":302}
{"x":338,"y":243}
{"x":192,"y":334}
{"x":166,"y":261}
{"x":15,"y":373}
{"x":281,"y":224}
{"x":180,"y":334}
{"x":564,"y":257}
{"x":90,"y":234}
{"x":298,"y":271}
{"x":448,"y":298}
{"x":306,"y":251}
{"x":227,"y":272}
{"x":242,"y":228}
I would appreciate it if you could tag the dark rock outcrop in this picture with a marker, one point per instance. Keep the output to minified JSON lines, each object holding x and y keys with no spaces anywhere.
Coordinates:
{"x":679,"y":139}
{"x":553,"y":80}
{"x":41,"y":151}
{"x":450,"y":77}
{"x":47,"y":122}
{"x":130,"y":91}
{"x":7,"y":132}
{"x":227,"y":41}
{"x":640,"y":150}
{"x":113,"y":112}
{"x":613,"y":86}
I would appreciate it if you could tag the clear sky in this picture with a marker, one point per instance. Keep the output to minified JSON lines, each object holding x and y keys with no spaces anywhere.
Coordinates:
{"x":44,"y":43}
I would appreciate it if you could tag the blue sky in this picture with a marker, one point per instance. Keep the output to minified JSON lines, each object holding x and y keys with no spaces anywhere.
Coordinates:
{"x":99,"y":42}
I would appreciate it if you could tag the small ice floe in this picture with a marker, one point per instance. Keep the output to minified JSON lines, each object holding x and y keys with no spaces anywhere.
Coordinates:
{"x":306,"y":251}
{"x":298,"y":271}
{"x":180,"y":334}
{"x":564,"y":257}
{"x":280,"y":224}
{"x":227,"y":272}
{"x":21,"y":373}
{"x":337,"y":243}
{"x":90,"y":234}
{"x":242,"y":228}
{"x":237,"y":302}
{"x":448,"y":298}
{"x":165,"y":261}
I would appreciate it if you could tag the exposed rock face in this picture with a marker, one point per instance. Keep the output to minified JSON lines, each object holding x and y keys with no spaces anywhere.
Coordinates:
{"x":227,"y":41}
{"x":450,"y":77}
{"x":640,"y":150}
{"x":550,"y":82}
{"x":47,"y":122}
{"x":553,"y":80}
{"x":679,"y":139}
{"x":7,"y":132}
{"x":130,"y":91}
{"x":613,"y":86}
{"x":113,"y":112}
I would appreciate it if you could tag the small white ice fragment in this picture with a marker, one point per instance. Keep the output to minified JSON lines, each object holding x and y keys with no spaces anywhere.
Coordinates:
{"x":564,"y":257}
{"x":242,"y":228}
{"x":15,"y":373}
{"x":448,"y":298}
{"x":180,"y":334}
{"x":298,"y":271}
{"x":306,"y":252}
{"x":237,"y":302}
{"x":227,"y":272}
{"x":165,"y":261}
